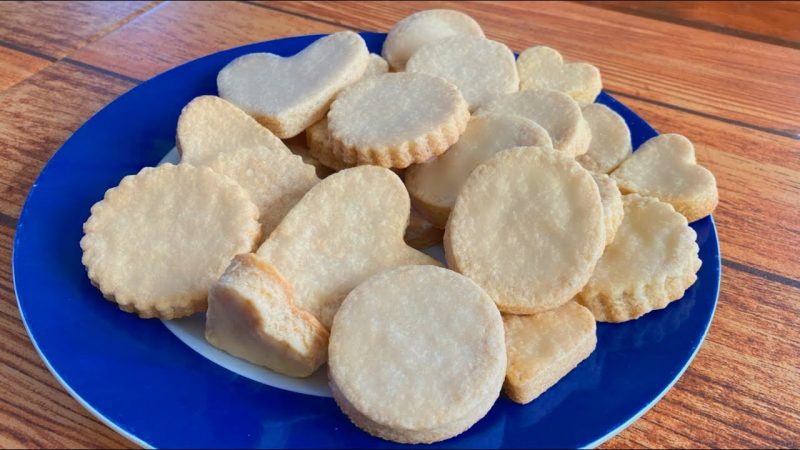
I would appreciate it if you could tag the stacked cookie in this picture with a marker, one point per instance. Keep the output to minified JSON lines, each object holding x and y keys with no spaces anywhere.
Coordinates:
{"x":306,"y":188}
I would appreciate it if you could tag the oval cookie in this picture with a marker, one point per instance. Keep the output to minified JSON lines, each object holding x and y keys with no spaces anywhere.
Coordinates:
{"x":156,"y":242}
{"x":481,"y":69}
{"x":555,"y":112}
{"x":426,"y":335}
{"x":527,"y":227}
{"x":652,"y":261}
{"x":423,"y":27}
{"x":611,"y":139}
{"x":544,"y":68}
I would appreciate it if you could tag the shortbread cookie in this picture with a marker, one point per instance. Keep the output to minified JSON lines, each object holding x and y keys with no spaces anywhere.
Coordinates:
{"x":420,"y":233}
{"x":652,"y":261}
{"x":544,"y":68}
{"x":434,"y":185}
{"x":665,"y":167}
{"x":251,"y":315}
{"x":396,"y":119}
{"x":424,"y":27}
{"x":545,"y":347}
{"x":555,"y":112}
{"x":287,"y":95}
{"x":611,"y":139}
{"x":417,"y":354}
{"x":299,"y":147}
{"x":376,"y":66}
{"x":321,"y":147}
{"x":612,"y":204}
{"x":481,"y":69}
{"x":274,"y":180}
{"x":345,"y":229}
{"x":528,"y":228}
{"x":156,"y":242}
{"x":209,"y":125}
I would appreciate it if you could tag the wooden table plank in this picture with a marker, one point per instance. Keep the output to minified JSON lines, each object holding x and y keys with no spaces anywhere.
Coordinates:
{"x":15,"y":66}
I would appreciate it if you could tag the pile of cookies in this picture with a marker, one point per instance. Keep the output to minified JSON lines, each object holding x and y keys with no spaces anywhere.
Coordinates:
{"x":306,"y":188}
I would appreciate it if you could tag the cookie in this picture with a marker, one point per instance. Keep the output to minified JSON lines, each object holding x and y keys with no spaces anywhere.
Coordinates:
{"x":611,"y":199}
{"x":345,"y":229}
{"x":209,"y":125}
{"x":416,"y":354}
{"x":652,"y":261}
{"x":481,"y":69}
{"x":251,"y":315}
{"x":665,"y":167}
{"x":611,"y":139}
{"x":420,"y":233}
{"x":434,"y":185}
{"x":299,"y":146}
{"x":543,"y":348}
{"x":544,"y":68}
{"x":423,"y":27}
{"x":375,"y":66}
{"x":320,"y":146}
{"x":287,"y":95}
{"x":156,"y":242}
{"x":528,"y":228}
{"x":554,"y":111}
{"x":396,"y":119}
{"x":274,"y":180}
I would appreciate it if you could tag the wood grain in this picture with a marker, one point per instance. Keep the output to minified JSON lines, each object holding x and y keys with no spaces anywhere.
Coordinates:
{"x":15,"y":66}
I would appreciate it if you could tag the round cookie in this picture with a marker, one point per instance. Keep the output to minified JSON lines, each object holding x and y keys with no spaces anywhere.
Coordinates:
{"x":321,"y":147}
{"x":417,"y":354}
{"x":612,"y":204}
{"x":156,"y":242}
{"x":423,"y":27}
{"x":652,"y":261}
{"x":544,"y":68}
{"x":434,"y":185}
{"x":528,"y":228}
{"x":396,"y":119}
{"x":481,"y":69}
{"x":554,"y":111}
{"x":611,"y":139}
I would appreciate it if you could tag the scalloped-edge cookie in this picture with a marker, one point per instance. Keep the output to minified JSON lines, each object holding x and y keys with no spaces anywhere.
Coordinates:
{"x":424,"y":27}
{"x":156,"y":242}
{"x":528,"y":228}
{"x":434,"y":185}
{"x":320,"y":146}
{"x":611,"y":139}
{"x":544,"y":68}
{"x":396,"y":119}
{"x":652,"y":261}
{"x":289,"y":94}
{"x":210,"y":125}
{"x":612,"y":204}
{"x":251,"y":315}
{"x":665,"y":167}
{"x":345,"y":229}
{"x":554,"y":111}
{"x":274,"y":180}
{"x":426,"y":335}
{"x":482,"y":69}
{"x":543,"y":348}
{"x":420,"y":233}
{"x":299,"y":146}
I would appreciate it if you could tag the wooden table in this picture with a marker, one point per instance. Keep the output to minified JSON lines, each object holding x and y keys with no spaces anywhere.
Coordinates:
{"x":725,"y":75}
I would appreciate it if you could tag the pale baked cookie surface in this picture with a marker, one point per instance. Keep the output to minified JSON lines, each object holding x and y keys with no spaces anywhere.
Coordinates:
{"x":665,"y":167}
{"x":527,"y":227}
{"x":345,"y":229}
{"x":420,"y":233}
{"x":287,"y":95}
{"x":481,"y":69}
{"x":251,"y":315}
{"x":554,"y":111}
{"x":210,"y":125}
{"x":434,"y":185}
{"x":424,"y":27}
{"x":612,"y":204}
{"x":156,"y":242}
{"x":376,"y":66}
{"x":611,"y":139}
{"x":543,"y":348}
{"x":396,"y":119}
{"x":652,"y":261}
{"x":320,"y":146}
{"x":544,"y":68}
{"x":417,"y":354}
{"x":274,"y":180}
{"x":299,"y":146}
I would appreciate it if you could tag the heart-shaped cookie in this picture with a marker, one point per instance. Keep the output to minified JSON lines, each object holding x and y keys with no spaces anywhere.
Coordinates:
{"x":544,"y":68}
{"x":665,"y":167}
{"x":287,"y":95}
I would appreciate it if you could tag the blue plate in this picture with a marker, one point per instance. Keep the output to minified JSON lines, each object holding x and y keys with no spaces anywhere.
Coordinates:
{"x":141,"y":380}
